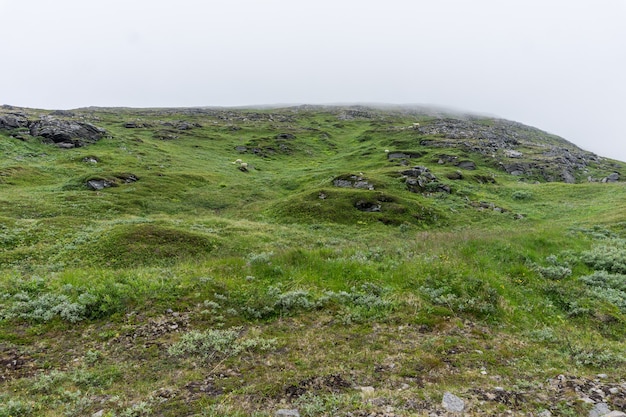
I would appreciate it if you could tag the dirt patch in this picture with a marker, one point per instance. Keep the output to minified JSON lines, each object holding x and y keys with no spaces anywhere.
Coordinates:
{"x":328,"y":383}
{"x":14,"y":364}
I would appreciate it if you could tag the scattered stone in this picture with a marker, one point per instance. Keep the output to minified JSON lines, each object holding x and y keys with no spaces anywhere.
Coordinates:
{"x":602,"y":376}
{"x":403,"y":155}
{"x":599,"y":410}
{"x":509,"y":153}
{"x":90,"y":159}
{"x":545,"y":413}
{"x":287,"y":413}
{"x":367,"y":392}
{"x":452,"y":403}
{"x":615,"y":414}
{"x":285,"y":136}
{"x":98,"y":413}
{"x":353,"y":181}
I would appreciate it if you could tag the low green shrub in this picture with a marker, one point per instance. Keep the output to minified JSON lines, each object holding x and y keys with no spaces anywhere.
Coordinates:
{"x":218,"y":344}
{"x":609,"y":256}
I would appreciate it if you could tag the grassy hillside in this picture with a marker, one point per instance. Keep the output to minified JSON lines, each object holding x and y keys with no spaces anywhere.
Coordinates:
{"x":356,"y":264}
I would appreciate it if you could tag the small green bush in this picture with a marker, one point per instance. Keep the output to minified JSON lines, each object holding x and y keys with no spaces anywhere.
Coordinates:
{"x":15,"y":408}
{"x":218,"y":344}
{"x":521,"y":195}
{"x":610,"y":256}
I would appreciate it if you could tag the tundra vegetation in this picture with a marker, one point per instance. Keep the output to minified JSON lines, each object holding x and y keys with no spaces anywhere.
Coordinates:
{"x":362,"y":262}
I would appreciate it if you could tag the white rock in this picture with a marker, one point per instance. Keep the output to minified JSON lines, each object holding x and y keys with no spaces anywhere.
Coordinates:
{"x":452,"y":403}
{"x":599,"y":410}
{"x":287,"y":413}
{"x":545,"y":413}
{"x":98,"y":414}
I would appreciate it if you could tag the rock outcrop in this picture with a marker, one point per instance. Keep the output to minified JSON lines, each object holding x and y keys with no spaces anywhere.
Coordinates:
{"x":66,"y":133}
{"x":62,"y":132}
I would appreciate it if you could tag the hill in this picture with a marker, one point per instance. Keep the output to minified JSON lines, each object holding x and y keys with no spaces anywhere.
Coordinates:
{"x":337,"y":260}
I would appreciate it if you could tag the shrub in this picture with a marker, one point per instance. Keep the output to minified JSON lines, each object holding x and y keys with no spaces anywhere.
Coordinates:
{"x":463,"y":294}
{"x":218,"y":344}
{"x":607,"y":287}
{"x":610,"y":256}
{"x":555,"y":269}
{"x":521,"y":195}
{"x":15,"y":408}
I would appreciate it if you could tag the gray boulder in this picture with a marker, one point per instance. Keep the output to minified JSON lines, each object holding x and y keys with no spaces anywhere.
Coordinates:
{"x":98,"y":185}
{"x":599,"y":410}
{"x":469,"y":165}
{"x":614,"y":177}
{"x":66,"y":131}
{"x":13,"y":121}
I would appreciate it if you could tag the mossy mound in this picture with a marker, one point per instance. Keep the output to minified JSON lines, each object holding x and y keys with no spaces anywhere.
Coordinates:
{"x":353,"y":206}
{"x":134,"y":245}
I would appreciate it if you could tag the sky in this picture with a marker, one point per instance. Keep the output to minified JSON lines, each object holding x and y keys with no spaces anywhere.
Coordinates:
{"x":559,"y":65}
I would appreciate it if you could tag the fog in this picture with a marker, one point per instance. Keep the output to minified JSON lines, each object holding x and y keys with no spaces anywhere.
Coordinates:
{"x":558,"y":65}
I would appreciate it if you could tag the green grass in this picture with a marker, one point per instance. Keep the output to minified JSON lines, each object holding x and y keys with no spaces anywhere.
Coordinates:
{"x":200,"y":289}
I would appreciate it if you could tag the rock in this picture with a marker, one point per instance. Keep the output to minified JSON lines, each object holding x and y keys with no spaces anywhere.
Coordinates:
{"x":452,"y":403}
{"x":241,"y":149}
{"x":469,"y":165}
{"x":416,"y":171}
{"x":614,"y":177}
{"x":90,"y":159}
{"x":62,"y":113}
{"x":367,"y":206}
{"x":285,"y":136}
{"x":602,"y":376}
{"x":567,"y":177}
{"x":599,"y":410}
{"x":287,"y":413}
{"x":64,"y":131}
{"x":509,"y":153}
{"x":403,"y":155}
{"x":615,"y":414}
{"x":98,"y":185}
{"x":545,"y":413}
{"x":98,"y":413}
{"x":353,"y":181}
{"x":13,"y":121}
{"x":367,"y":392}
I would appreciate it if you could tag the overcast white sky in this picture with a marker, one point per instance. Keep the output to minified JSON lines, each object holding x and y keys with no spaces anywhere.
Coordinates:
{"x":559,"y":65}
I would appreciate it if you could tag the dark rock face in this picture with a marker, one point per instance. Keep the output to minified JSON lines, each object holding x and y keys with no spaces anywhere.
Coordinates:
{"x":419,"y":179}
{"x":545,"y":156}
{"x":66,"y":133}
{"x":368,"y":206}
{"x":13,"y":121}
